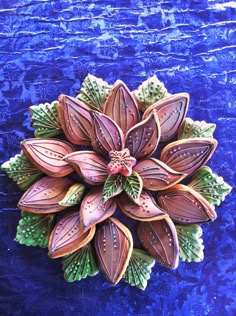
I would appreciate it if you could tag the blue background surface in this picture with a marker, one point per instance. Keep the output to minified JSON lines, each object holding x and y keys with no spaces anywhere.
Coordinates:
{"x":47,"y":48}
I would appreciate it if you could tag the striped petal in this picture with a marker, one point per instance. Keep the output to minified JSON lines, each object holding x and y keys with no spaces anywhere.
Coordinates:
{"x":188,"y":155}
{"x":143,"y":138}
{"x":93,"y":210}
{"x":75,"y":120}
{"x":89,"y":165}
{"x":113,"y":245}
{"x":47,"y":155}
{"x":106,"y":134}
{"x":185,"y":206}
{"x":156,"y":175}
{"x":122,"y":107}
{"x":171,"y":111}
{"x":160,"y":239}
{"x":148,"y":210}
{"x":45,"y":196}
{"x":67,"y":236}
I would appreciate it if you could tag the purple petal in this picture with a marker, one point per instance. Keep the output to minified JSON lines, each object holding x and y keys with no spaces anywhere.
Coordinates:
{"x":93,"y":210}
{"x":47,"y":155}
{"x":106,"y":134}
{"x":143,"y":138}
{"x":147,"y":211}
{"x":75,"y":120}
{"x":67,"y":236}
{"x":113,"y":245}
{"x":160,"y":239}
{"x":121,"y":106}
{"x":187,"y":155}
{"x":156,"y":175}
{"x":89,"y":165}
{"x":43,"y":197}
{"x":185,"y":206}
{"x":171,"y":111}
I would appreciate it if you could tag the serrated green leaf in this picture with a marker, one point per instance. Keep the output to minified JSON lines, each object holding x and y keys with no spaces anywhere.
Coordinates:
{"x":190,"y":244}
{"x":210,"y":185}
{"x":133,"y":186}
{"x":149,"y":92}
{"x":34,"y":229}
{"x":193,"y":129}
{"x":94,"y":92}
{"x":80,"y":264}
{"x":73,"y":195}
{"x":139,"y":269}
{"x":112,"y":186}
{"x":21,"y":171}
{"x":45,"y":119}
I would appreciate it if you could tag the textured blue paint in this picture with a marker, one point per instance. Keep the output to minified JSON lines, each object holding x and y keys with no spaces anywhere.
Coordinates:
{"x":48,"y":47}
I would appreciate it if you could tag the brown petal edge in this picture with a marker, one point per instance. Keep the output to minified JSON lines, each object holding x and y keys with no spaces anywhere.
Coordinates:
{"x":106,"y":134}
{"x":143,"y":138}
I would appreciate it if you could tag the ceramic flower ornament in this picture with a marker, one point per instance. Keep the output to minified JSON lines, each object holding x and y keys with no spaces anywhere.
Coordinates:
{"x":113,"y":149}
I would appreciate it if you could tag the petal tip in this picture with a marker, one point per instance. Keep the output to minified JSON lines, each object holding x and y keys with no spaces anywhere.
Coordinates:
{"x":51,"y":254}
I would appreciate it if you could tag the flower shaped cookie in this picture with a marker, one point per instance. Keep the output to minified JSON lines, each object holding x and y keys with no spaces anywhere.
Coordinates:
{"x":110,"y":162}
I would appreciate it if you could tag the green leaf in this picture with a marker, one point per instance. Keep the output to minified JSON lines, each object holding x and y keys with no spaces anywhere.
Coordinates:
{"x":139,"y":269}
{"x":80,"y":264}
{"x":210,"y":185}
{"x":112,"y":186}
{"x":21,"y":171}
{"x":149,"y":92}
{"x":34,"y":229}
{"x":73,"y":195}
{"x":133,"y":186}
{"x":45,"y":119}
{"x":94,"y":92}
{"x":193,"y":129}
{"x":190,"y":244}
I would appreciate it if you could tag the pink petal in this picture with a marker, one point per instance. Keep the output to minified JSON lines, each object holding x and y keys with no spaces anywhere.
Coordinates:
{"x":185,"y":206}
{"x":93,"y":210}
{"x":67,"y":236}
{"x":160,"y":239}
{"x":171,"y":111}
{"x":113,"y":244}
{"x":187,"y":155}
{"x":106,"y":135}
{"x":47,"y":155}
{"x":89,"y":165}
{"x":43,"y":197}
{"x":156,"y":175}
{"x":75,"y":120}
{"x":122,"y":107}
{"x":143,"y":138}
{"x":147,"y":211}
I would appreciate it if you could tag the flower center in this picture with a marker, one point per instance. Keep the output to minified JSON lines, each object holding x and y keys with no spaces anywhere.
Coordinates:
{"x":121,"y":162}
